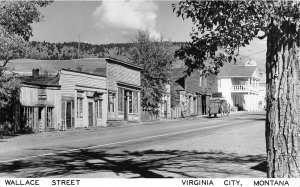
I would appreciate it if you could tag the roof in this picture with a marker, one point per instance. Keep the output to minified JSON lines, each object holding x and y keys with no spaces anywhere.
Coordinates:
{"x":113,"y":60}
{"x":178,"y":77}
{"x":96,"y":66}
{"x":41,"y":80}
{"x":236,"y":70}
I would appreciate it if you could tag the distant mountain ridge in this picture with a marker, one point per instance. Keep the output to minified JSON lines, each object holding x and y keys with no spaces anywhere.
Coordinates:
{"x":74,"y":50}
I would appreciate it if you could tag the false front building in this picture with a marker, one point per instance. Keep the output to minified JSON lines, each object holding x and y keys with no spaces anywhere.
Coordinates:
{"x":124,"y":90}
{"x":39,"y":101}
{"x":94,"y":91}
{"x":84,"y":97}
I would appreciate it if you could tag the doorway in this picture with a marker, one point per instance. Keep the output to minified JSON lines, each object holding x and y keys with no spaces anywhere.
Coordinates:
{"x":91,"y":112}
{"x":199,"y":104}
{"x":203,"y":104}
{"x":125,"y":107}
{"x":41,"y":118}
{"x":69,"y":115}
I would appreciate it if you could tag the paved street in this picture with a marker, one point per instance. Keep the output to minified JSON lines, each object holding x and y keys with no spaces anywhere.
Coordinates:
{"x":231,"y":146}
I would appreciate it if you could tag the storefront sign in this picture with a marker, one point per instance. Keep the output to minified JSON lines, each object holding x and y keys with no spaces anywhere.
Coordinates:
{"x":42,"y":97}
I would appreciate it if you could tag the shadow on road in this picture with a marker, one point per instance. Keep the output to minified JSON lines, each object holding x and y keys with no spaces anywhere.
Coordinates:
{"x":144,"y":164}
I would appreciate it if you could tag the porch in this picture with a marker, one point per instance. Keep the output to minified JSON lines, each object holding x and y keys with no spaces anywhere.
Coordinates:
{"x":244,"y":85}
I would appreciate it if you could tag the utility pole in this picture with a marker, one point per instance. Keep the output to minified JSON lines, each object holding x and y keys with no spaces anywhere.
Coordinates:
{"x":79,"y":68}
{"x":78,"y":48}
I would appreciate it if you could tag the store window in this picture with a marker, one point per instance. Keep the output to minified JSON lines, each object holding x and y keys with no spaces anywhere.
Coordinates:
{"x":129,"y":93}
{"x":133,"y":102}
{"x":121,"y":100}
{"x":135,"y":107}
{"x":98,"y":105}
{"x":79,"y":107}
{"x":111,"y":102}
{"x":28,"y":114}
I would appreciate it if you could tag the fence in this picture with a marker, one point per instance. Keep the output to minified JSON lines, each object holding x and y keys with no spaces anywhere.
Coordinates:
{"x":148,"y":115}
{"x":176,"y":112}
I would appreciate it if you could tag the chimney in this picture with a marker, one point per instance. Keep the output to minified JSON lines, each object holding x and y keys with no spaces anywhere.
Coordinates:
{"x":35,"y":72}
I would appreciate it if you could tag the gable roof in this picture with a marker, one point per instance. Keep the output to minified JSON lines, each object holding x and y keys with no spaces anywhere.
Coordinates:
{"x":178,"y":78}
{"x":237,"y":70}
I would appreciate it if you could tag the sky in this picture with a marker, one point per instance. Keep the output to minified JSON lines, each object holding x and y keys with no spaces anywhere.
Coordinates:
{"x":117,"y":21}
{"x":109,"y":21}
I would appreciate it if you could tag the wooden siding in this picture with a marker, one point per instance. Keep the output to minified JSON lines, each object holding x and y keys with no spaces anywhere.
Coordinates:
{"x":29,"y":97}
{"x":69,"y":80}
{"x":124,"y":74}
{"x":83,"y":122}
{"x":72,"y":83}
{"x":117,"y":72}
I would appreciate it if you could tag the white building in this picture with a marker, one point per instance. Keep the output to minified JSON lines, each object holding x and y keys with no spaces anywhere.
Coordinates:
{"x":239,"y":84}
{"x":84,"y":99}
{"x":262,"y":90}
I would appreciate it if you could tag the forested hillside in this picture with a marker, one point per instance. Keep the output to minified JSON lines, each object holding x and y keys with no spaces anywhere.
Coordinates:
{"x":74,"y":50}
{"x":69,"y":50}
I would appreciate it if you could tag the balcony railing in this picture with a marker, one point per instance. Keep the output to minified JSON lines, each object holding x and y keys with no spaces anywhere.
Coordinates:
{"x":243,"y":88}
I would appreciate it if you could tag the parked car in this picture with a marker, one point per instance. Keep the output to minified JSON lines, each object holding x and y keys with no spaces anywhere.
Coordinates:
{"x":218,"y":106}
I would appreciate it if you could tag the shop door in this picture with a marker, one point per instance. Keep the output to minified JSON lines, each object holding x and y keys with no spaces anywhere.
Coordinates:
{"x":91,"y":116}
{"x":125,"y":108}
{"x":203,"y":105}
{"x":199,"y":105}
{"x":69,"y":115}
{"x":41,"y":119}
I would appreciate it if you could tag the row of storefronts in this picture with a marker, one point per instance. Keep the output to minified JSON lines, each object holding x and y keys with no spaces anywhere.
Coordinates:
{"x":87,"y":98}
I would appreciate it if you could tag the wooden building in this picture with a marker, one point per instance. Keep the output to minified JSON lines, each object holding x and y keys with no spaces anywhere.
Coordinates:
{"x":194,"y":91}
{"x":84,"y":99}
{"x":40,"y":102}
{"x":103,"y":90}
{"x":124,"y":85}
{"x":91,"y":84}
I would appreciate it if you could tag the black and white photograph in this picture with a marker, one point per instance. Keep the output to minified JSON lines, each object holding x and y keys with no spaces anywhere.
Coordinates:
{"x":139,"y":89}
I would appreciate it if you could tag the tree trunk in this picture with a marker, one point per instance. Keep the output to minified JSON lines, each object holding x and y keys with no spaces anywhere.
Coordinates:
{"x":282,"y":122}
